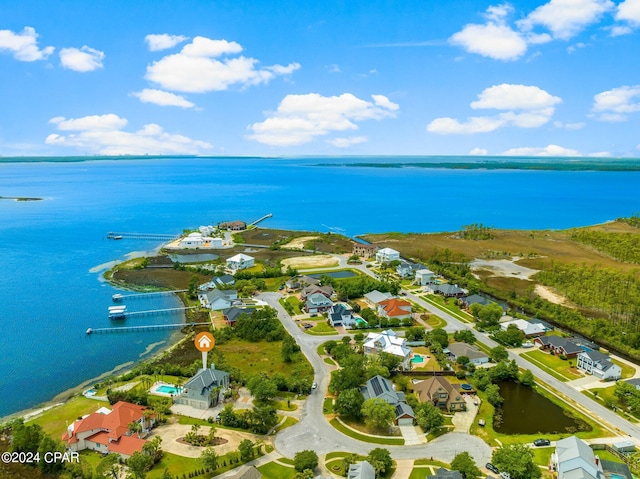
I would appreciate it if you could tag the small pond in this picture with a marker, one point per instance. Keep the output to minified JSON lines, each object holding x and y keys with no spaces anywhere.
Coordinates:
{"x":334,"y":274}
{"x":526,"y":412}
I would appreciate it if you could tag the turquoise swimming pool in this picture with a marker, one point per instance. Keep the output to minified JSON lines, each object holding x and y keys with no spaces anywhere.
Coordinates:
{"x":167,"y":389}
{"x":417,"y":359}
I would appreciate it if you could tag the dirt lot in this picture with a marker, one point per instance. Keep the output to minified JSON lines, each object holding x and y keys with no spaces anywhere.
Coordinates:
{"x":503,"y":267}
{"x":310,"y":262}
{"x":546,"y":293}
{"x":298,"y":243}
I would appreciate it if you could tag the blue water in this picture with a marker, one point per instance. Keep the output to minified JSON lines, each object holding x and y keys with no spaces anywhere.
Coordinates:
{"x":167,"y":389}
{"x":334,"y":274}
{"x":50,"y":288}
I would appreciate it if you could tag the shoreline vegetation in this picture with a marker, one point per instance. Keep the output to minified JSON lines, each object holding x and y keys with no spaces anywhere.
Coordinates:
{"x":21,"y":198}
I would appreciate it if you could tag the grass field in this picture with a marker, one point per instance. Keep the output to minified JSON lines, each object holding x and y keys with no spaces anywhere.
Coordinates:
{"x":289,"y":421}
{"x":274,"y":470}
{"x":392,"y":441}
{"x":559,"y":368}
{"x":54,"y":421}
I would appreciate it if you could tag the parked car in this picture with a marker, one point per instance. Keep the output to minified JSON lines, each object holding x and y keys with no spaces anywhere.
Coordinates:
{"x":505,"y":475}
{"x":314,"y":385}
{"x":492,"y":468}
{"x":541,"y":442}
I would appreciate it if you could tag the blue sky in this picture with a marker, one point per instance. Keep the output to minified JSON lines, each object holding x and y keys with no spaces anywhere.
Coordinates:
{"x":558,"y":78}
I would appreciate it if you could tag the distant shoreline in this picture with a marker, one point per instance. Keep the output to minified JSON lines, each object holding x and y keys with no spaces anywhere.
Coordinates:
{"x":20,"y":198}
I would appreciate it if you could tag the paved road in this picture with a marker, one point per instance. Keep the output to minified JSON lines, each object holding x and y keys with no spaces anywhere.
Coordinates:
{"x":314,"y":432}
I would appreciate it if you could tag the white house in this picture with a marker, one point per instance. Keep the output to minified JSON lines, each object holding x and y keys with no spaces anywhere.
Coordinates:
{"x":240,"y":261}
{"x":529,"y":329}
{"x":375,"y":297}
{"x":341,"y":315}
{"x":574,"y":459}
{"x":424,"y":276}
{"x":317,"y":303}
{"x":198,"y":240}
{"x":386,"y":255}
{"x":599,"y":365}
{"x":477,"y":357}
{"x":387,"y":342}
{"x":217,"y":300}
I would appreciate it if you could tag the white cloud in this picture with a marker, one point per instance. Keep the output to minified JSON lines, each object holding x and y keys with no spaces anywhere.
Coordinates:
{"x":550,"y":150}
{"x":347,"y":142}
{"x":333,"y":68}
{"x":23,"y":45}
{"x":629,"y":11}
{"x":616,"y":104}
{"x":162,"y":98}
{"x":83,"y":59}
{"x":300,"y":119}
{"x":619,"y":30}
{"x":569,"y":126}
{"x":520,"y":105}
{"x":163,"y":41}
{"x":104,"y":135}
{"x":600,"y":154}
{"x":195,"y":69}
{"x":566,"y":18}
{"x":477,"y":151}
{"x":492,"y":40}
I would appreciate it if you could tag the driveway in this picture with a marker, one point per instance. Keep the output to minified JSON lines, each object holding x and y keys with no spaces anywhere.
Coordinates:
{"x":410,"y":435}
{"x":462,"y":420}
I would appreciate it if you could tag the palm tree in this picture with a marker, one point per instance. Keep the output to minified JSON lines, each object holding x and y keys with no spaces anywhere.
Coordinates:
{"x":135,"y":427}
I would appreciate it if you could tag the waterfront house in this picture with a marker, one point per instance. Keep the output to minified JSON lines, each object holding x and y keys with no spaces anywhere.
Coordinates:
{"x":361,"y":470}
{"x":456,"y":350}
{"x":407,"y":269}
{"x":381,"y":388}
{"x":443,"y":473}
{"x":598,"y":365}
{"x":529,"y":329}
{"x":218,"y":299}
{"x":240,"y":261}
{"x":317,"y":303}
{"x":204,"y":389}
{"x":447,"y":290}
{"x":394,"y":308}
{"x":574,"y":459}
{"x":107,"y":431}
{"x":387,"y":342}
{"x":559,"y":345}
{"x":365,"y":251}
{"x":231,"y":315}
{"x":424,"y":276}
{"x":441,"y":393}
{"x":341,"y":315}
{"x":386,"y":255}
{"x":225,"y":280}
{"x":236,"y":225}
{"x":467,"y":301}
{"x":374,"y":297}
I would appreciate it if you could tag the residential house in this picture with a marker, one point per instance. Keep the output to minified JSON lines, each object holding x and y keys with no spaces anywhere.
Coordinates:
{"x":240,"y":261}
{"x":231,"y":315}
{"x":326,"y":290}
{"x":107,"y":431}
{"x":218,"y":299}
{"x":204,"y":389}
{"x":361,"y":470}
{"x":317,"y":303}
{"x":424,"y":276}
{"x":394,"y":308}
{"x":236,"y":225}
{"x":559,"y":345}
{"x":407,"y":269}
{"x":441,"y":393}
{"x":197,"y":240}
{"x":447,"y":290}
{"x":599,"y":365}
{"x":574,"y":459}
{"x":635,"y":382}
{"x":477,"y":357}
{"x":530,"y":330}
{"x":386,"y":255}
{"x":467,"y":301}
{"x":225,"y":280}
{"x":375,"y":297}
{"x":381,"y":388}
{"x":299,"y":282}
{"x":341,"y":315}
{"x":365,"y":251}
{"x":387,"y":342}
{"x":443,"y":473}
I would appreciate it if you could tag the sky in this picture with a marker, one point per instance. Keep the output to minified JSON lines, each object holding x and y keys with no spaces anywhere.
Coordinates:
{"x":292,"y":78}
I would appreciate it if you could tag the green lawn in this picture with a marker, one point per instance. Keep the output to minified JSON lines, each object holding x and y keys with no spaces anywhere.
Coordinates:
{"x":559,"y":368}
{"x":421,"y":472}
{"x":542,"y":455}
{"x":273,"y":470}
{"x":330,"y":361}
{"x":293,"y":302}
{"x":392,"y":441}
{"x":289,"y":421}
{"x":55,"y":420}
{"x":453,"y":310}
{"x":627,"y":371}
{"x":177,"y":465}
{"x":328,"y":406}
{"x":322,"y":327}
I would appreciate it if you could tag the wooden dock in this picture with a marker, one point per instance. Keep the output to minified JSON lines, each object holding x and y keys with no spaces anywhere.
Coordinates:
{"x":116,"y":298}
{"x":154,"y":236}
{"x":152,"y":327}
{"x":268,"y":215}
{"x":123,"y":314}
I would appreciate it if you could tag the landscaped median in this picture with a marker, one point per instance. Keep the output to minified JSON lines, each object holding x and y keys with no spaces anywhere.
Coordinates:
{"x":344,"y":429}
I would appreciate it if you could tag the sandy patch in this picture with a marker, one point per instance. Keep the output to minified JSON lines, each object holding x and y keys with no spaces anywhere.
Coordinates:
{"x":503,"y":267}
{"x":298,"y":243}
{"x":546,"y":293}
{"x":309,"y":262}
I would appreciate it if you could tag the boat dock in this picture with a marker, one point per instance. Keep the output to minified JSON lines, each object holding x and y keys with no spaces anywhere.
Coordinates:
{"x":120,"y":312}
{"x":154,"y":236}
{"x":116,"y":298}
{"x":133,"y":329}
{"x":268,"y":215}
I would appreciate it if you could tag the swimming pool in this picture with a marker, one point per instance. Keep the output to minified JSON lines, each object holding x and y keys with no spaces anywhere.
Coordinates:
{"x":362,"y":323}
{"x":167,"y":389}
{"x":417,"y":359}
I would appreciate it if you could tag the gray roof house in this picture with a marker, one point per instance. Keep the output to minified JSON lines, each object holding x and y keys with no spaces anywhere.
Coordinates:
{"x":217,"y":299}
{"x":225,"y":280}
{"x":443,"y":473}
{"x":196,"y":392}
{"x":447,"y":290}
{"x":381,"y":388}
{"x":559,"y":345}
{"x":407,"y":269}
{"x":361,"y":470}
{"x":574,"y":459}
{"x":599,"y":365}
{"x":317,"y":303}
{"x":375,"y":296}
{"x":231,"y":315}
{"x":339,"y":315}
{"x":475,"y":356}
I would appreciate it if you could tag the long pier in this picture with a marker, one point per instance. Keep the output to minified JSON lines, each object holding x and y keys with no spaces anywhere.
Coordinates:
{"x":123,"y":314}
{"x":268,"y":215}
{"x":133,"y":329}
{"x":155,"y":236}
{"x":120,"y":297}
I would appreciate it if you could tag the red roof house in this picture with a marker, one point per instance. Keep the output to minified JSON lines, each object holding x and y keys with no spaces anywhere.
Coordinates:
{"x":394,"y":308}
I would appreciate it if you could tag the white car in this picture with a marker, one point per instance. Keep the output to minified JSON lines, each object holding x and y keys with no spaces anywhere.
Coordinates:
{"x":314,"y":385}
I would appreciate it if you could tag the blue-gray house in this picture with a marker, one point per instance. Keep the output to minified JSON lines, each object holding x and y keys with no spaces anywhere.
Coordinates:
{"x":196,"y":392}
